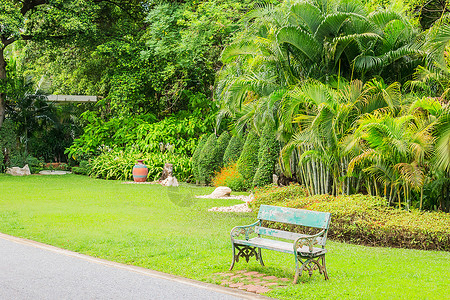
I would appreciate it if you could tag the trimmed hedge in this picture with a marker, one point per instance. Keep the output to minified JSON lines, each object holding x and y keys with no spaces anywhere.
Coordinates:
{"x":247,"y":163}
{"x":267,"y":157}
{"x":221,"y":146}
{"x":196,"y":156}
{"x":207,"y":160}
{"x":365,"y":220}
{"x":233,"y":150}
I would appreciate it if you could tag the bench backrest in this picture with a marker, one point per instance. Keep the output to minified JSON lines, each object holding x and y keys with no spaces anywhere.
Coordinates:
{"x":308,"y":218}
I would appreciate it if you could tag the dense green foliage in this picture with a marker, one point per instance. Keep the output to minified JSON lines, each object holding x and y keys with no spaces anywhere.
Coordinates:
{"x":247,"y":163}
{"x":366,"y":220}
{"x":118,"y":164}
{"x":233,"y":150}
{"x":268,"y":154}
{"x":358,"y":95}
{"x":177,"y":134}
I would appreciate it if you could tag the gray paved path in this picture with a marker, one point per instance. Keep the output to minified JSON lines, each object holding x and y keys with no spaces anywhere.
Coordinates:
{"x":30,"y":270}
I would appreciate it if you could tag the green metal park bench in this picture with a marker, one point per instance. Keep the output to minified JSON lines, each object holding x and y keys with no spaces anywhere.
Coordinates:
{"x":307,"y":257}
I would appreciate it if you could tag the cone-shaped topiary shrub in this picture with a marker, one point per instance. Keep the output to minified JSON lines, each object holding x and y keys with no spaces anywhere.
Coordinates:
{"x":247,"y":163}
{"x":222,"y":144}
{"x":233,"y":150}
{"x":208,"y":160}
{"x":196,"y":157}
{"x":267,"y":156}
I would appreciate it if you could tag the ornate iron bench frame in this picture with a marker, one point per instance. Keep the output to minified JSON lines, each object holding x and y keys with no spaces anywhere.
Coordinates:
{"x":307,"y":257}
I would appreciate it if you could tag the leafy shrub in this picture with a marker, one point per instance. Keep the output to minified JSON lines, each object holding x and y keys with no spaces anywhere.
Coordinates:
{"x":208,"y":160}
{"x":230,"y":177}
{"x":36,"y":165}
{"x":82,"y":169}
{"x":118,"y":164}
{"x":368,"y":220}
{"x":196,"y":157}
{"x":267,"y":156}
{"x":247,"y":163}
{"x":233,"y":150}
{"x":142,"y":132}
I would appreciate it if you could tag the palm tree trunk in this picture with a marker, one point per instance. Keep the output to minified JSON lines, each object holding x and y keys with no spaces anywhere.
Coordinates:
{"x":421,"y":198}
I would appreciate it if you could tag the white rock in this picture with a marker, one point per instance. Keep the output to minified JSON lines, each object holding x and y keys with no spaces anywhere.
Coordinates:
{"x":16,"y":171}
{"x":221,"y":191}
{"x":170,"y":181}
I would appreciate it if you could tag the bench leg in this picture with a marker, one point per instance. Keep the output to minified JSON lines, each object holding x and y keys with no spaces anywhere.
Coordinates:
{"x":310,"y":264}
{"x":298,"y":270}
{"x":260,"y":257}
{"x":324,"y":268}
{"x":234,"y":258}
{"x":245,"y":252}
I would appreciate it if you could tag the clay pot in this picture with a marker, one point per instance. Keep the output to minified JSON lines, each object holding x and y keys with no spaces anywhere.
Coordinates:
{"x":140,"y":171}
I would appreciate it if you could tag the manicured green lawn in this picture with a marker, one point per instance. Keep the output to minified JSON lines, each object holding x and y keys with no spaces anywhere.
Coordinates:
{"x":167,"y":229}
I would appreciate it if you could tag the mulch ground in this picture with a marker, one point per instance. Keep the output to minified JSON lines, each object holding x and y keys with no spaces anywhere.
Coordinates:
{"x":251,"y":281}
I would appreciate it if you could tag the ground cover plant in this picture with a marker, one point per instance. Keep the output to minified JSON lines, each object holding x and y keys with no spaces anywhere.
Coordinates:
{"x":168,"y":230}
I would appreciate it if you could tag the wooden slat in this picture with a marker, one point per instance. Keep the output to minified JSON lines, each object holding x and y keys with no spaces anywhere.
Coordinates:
{"x":302,"y":217}
{"x":278,"y":233}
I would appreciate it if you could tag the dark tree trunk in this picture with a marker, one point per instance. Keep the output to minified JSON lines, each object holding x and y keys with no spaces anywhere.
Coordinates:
{"x":2,"y":78}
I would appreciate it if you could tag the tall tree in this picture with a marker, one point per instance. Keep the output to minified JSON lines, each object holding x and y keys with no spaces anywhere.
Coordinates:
{"x":57,"y":20}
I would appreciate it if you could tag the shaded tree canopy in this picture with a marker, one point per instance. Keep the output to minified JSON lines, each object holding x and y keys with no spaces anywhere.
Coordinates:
{"x":60,"y":21}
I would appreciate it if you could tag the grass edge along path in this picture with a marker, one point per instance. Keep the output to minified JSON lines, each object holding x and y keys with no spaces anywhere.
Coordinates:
{"x":169,"y":230}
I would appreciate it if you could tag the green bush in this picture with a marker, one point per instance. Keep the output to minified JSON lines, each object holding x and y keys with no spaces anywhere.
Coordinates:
{"x":82,"y":169}
{"x":222,"y":144}
{"x":367,"y":220}
{"x":36,"y":165}
{"x":208,"y":160}
{"x":196,"y":157}
{"x":247,"y":163}
{"x":267,"y":156}
{"x":233,"y":150}
{"x":119,"y":164}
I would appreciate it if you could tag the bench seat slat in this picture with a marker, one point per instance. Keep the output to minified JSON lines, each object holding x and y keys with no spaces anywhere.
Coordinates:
{"x":278,"y":233}
{"x":279,"y":246}
{"x":283,"y":234}
{"x":294,"y":216}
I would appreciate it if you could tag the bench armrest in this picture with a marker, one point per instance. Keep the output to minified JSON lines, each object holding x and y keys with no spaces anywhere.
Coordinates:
{"x":309,"y":241}
{"x":246,"y":230}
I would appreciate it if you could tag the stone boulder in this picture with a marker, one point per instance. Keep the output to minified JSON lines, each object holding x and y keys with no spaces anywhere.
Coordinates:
{"x":16,"y":171}
{"x":170,"y":181}
{"x":221,"y":191}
